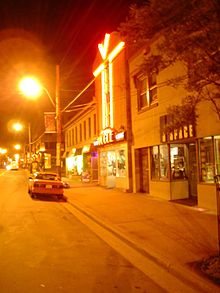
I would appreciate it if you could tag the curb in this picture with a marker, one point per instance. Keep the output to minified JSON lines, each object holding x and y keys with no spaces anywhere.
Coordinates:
{"x":185,"y":275}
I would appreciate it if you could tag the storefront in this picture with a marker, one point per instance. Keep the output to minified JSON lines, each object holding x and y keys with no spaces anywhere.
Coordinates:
{"x":113,"y":159}
{"x":90,"y":163}
{"x":74,"y":162}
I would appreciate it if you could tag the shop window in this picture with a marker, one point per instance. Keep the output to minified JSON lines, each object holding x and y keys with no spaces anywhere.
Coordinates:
{"x":103,"y":163}
{"x":121,"y":164}
{"x":178,"y":155}
{"x":217,"y":154}
{"x":206,"y":154}
{"x":111,"y":163}
{"x":146,"y":90}
{"x":159,"y":162}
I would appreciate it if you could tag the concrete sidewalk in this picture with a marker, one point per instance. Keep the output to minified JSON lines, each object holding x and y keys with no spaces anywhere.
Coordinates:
{"x":173,"y":234}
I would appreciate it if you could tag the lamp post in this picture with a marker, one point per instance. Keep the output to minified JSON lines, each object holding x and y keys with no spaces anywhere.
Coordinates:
{"x":32,"y":88}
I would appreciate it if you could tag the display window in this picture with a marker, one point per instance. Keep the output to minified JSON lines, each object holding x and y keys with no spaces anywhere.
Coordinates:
{"x":178,"y":159}
{"x":103,"y":163}
{"x":121,"y":163}
{"x":209,"y":158}
{"x":159,"y":162}
{"x":111,"y":163}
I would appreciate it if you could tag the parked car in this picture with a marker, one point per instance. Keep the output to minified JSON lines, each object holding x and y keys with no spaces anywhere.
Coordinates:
{"x":12,"y":166}
{"x":43,"y":183}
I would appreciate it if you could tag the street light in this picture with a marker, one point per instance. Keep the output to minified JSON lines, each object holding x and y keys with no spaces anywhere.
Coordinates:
{"x":31,"y":87}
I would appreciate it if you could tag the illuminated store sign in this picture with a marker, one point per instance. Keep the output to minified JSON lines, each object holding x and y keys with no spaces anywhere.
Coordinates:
{"x":184,"y":132}
{"x":106,"y":71}
{"x":178,"y":134}
{"x":120,"y":136}
{"x":108,"y":135}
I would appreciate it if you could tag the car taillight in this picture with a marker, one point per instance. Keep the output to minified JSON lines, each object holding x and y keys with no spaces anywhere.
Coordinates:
{"x":39,"y":185}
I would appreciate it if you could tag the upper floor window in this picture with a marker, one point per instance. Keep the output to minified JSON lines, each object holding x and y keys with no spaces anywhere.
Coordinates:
{"x":80,"y":132}
{"x":95,"y":126}
{"x":84,"y":129}
{"x":89,"y":126}
{"x":146,"y":90}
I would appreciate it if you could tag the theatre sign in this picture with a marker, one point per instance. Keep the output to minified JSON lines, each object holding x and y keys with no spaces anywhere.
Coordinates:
{"x":109,"y":135}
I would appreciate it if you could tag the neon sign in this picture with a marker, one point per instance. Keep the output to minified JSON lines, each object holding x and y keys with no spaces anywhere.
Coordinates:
{"x":107,"y":136}
{"x":106,"y":71}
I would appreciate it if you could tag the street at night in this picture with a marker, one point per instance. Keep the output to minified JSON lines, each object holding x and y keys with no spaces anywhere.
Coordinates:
{"x":109,"y":146}
{"x":43,"y":247}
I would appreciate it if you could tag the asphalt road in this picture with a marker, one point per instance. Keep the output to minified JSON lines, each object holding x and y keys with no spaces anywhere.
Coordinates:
{"x":44,"y":248}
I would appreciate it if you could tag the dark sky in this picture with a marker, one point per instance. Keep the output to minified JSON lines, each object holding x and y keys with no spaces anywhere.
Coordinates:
{"x":36,"y":35}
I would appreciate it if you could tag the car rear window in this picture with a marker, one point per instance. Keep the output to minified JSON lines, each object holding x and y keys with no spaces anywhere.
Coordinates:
{"x":47,"y":177}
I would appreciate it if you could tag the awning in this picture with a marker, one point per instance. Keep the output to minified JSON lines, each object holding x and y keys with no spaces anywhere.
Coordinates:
{"x":89,"y":148}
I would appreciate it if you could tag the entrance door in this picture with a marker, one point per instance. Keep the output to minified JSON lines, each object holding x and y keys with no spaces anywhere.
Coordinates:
{"x":142,"y":170}
{"x":192,"y":174}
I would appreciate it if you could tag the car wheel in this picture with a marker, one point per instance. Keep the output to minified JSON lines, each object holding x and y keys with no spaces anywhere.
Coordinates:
{"x":33,"y":195}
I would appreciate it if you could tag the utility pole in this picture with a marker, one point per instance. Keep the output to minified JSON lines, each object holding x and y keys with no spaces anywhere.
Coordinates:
{"x":58,"y":122}
{"x":29,"y":144}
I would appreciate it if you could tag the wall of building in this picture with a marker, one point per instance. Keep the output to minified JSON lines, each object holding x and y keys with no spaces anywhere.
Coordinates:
{"x":146,"y":133}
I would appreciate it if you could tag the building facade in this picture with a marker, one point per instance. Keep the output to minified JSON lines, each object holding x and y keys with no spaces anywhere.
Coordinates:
{"x":111,"y":93}
{"x":179,"y":164}
{"x":81,"y":157}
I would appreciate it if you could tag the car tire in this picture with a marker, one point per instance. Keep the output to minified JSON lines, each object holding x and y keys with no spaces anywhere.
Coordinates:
{"x":33,"y":195}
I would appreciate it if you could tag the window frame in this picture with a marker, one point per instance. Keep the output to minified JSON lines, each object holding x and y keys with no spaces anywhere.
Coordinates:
{"x":146,"y":85}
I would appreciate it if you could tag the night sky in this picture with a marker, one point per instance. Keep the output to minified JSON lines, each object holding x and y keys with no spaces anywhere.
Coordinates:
{"x":37,"y":35}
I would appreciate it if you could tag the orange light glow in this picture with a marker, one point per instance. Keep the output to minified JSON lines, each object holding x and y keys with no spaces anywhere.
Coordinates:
{"x":106,"y":70}
{"x":115,"y":52}
{"x":104,"y":49}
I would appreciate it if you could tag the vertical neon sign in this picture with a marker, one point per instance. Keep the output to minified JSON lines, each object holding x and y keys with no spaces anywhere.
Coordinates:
{"x":106,"y":71}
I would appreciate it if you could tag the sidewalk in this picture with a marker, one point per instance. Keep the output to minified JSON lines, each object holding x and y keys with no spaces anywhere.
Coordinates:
{"x":173,"y":234}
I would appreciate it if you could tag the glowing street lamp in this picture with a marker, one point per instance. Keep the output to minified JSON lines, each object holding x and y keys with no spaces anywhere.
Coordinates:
{"x":3,"y":151}
{"x":17,"y":126}
{"x":17,"y":147}
{"x":31,"y":87}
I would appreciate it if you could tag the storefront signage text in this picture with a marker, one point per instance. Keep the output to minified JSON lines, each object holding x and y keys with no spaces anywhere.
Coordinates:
{"x":106,"y":136}
{"x":178,"y":134}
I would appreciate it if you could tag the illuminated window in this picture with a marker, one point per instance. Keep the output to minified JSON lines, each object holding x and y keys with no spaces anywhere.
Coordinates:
{"x":146,"y":90}
{"x":159,"y":162}
{"x":89,"y":126}
{"x":80,"y":132}
{"x":95,"y":125}
{"x":84,"y":129}
{"x":178,"y":160}
{"x":76,"y":135}
{"x":207,"y":158}
{"x":72,"y":136}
